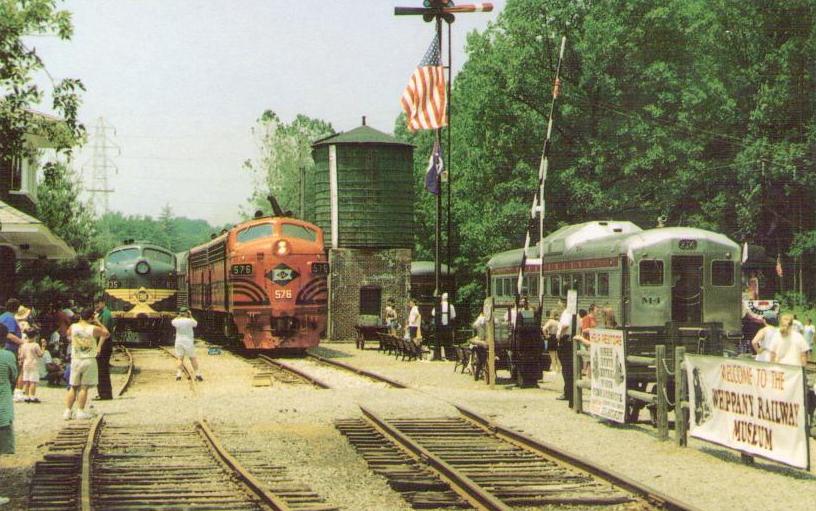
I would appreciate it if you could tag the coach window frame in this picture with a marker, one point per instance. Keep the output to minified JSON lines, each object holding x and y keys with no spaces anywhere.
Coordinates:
{"x":732,"y":279}
{"x":603,"y":276}
{"x":659,"y":263}
{"x":589,"y":277}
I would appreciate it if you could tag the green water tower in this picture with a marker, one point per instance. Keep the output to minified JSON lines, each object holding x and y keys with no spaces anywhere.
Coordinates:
{"x":362,"y":190}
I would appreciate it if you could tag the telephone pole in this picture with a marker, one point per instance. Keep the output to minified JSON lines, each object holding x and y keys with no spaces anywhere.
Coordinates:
{"x":100,"y":164}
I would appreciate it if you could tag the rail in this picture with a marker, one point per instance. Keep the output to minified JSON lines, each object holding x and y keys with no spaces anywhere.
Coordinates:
{"x":560,"y":455}
{"x":187,"y":372}
{"x":464,"y":486}
{"x":306,"y":376}
{"x":85,"y":482}
{"x":129,"y":376}
{"x":267,"y":499}
{"x":362,"y":372}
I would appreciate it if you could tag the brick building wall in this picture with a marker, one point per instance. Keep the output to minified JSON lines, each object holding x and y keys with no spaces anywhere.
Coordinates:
{"x":353,"y":269}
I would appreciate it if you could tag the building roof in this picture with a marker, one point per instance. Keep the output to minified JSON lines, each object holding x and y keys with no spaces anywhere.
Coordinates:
{"x":360,"y":135}
{"x":29,"y":237}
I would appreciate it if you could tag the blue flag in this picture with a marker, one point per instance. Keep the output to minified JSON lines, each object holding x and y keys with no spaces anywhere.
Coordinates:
{"x":435,"y":168}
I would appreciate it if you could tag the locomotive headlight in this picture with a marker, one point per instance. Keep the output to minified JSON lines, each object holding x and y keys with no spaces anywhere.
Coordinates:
{"x":142,"y":268}
{"x":282,"y":248}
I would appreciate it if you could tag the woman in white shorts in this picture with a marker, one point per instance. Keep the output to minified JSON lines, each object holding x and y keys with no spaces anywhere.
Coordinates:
{"x":185,"y":342}
{"x":84,"y":373}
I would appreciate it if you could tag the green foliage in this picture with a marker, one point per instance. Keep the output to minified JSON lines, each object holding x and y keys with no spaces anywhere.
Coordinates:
{"x":176,"y":233}
{"x":20,"y":94}
{"x":284,"y":149}
{"x":703,"y":111}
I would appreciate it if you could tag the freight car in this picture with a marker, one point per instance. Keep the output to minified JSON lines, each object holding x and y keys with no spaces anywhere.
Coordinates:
{"x":140,"y":290}
{"x":646,"y":277}
{"x":263,"y":282}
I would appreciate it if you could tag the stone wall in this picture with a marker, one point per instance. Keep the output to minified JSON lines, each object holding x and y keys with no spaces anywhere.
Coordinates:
{"x":352,"y":269}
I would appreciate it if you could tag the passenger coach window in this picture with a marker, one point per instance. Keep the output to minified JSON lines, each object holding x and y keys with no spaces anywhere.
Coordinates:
{"x":589,"y":282}
{"x":158,"y":255}
{"x":603,"y":284}
{"x":533,"y":285}
{"x":566,"y":284}
{"x":298,"y":231}
{"x":123,"y":256}
{"x":651,"y":272}
{"x":255,"y":232}
{"x":722,"y":273}
{"x":555,"y":285}
{"x":578,"y":283}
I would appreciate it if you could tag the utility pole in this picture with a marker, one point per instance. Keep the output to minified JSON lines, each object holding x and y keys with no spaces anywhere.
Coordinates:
{"x":100,"y":165}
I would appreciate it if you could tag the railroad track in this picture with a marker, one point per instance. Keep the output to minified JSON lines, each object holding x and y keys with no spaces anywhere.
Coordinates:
{"x":129,"y":376}
{"x":468,"y":461}
{"x":92,"y":466}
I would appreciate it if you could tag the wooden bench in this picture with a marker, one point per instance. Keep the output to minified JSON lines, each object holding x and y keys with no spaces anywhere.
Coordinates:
{"x":368,"y":333}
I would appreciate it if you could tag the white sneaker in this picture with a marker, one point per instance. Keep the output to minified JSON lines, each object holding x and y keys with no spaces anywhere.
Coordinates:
{"x":68,"y":415}
{"x":4,"y":500}
{"x":83,"y":415}
{"x":19,"y":398}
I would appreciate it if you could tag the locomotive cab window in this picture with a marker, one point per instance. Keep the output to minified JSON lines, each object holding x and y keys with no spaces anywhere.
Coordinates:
{"x":651,"y":272}
{"x":123,"y":256}
{"x":158,"y":255}
{"x":722,"y":273}
{"x":298,"y":231}
{"x":255,"y":232}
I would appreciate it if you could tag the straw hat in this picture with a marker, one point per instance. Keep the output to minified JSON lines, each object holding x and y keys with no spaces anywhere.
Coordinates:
{"x":22,"y":313}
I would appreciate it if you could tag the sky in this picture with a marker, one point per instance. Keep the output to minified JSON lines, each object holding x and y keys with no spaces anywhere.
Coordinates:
{"x":183,"y":82}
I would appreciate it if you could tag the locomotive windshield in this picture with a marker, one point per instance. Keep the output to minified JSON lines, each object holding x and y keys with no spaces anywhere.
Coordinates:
{"x":298,"y":231}
{"x":158,"y":255}
{"x":255,"y":232}
{"x":123,"y":256}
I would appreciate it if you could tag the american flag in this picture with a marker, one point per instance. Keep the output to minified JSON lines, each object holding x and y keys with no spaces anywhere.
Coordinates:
{"x":424,"y":99}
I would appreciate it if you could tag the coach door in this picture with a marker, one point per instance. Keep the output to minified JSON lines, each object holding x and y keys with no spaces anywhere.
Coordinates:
{"x":687,"y":289}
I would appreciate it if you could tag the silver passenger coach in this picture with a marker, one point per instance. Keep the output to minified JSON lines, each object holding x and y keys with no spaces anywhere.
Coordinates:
{"x":647,"y":277}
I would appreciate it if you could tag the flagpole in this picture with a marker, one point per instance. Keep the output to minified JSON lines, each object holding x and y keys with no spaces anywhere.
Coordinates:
{"x":437,"y":354}
{"x":449,"y":151}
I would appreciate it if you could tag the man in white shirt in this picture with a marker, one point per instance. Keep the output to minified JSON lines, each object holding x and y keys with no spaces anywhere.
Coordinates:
{"x":798,"y":326}
{"x":414,"y":320}
{"x":446,"y":323}
{"x":185,"y":342}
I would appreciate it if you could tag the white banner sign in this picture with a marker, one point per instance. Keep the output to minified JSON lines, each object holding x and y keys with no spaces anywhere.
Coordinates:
{"x":755,"y":407}
{"x":608,"y":374}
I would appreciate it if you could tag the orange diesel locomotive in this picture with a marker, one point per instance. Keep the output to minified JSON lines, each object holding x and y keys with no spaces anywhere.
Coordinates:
{"x":264,"y":281}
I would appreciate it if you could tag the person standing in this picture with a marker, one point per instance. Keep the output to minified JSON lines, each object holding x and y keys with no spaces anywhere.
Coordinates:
{"x":390,"y":316}
{"x":565,"y":331}
{"x":8,"y":377}
{"x":448,"y":314}
{"x":808,"y":333}
{"x":788,"y":346}
{"x":550,"y":332}
{"x":414,"y":320}
{"x":762,"y":339}
{"x":13,"y":338}
{"x":797,"y":325}
{"x":103,"y":315}
{"x":185,"y":342}
{"x":30,"y":355}
{"x":84,"y":372}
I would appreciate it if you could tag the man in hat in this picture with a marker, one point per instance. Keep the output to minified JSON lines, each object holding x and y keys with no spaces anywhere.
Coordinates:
{"x":103,"y":388}
{"x":185,"y":342}
{"x":446,"y":323}
{"x":8,"y":376}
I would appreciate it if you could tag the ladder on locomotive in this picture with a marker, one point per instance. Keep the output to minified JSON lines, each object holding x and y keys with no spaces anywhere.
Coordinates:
{"x":537,"y":210}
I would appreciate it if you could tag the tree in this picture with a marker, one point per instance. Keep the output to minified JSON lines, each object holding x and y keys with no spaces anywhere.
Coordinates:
{"x":284,"y":149}
{"x":18,"y":63}
{"x":701,"y":111}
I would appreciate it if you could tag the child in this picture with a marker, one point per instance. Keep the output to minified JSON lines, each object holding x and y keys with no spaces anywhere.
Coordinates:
{"x":30,"y":355}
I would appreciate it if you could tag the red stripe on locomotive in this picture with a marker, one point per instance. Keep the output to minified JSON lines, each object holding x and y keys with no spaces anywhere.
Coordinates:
{"x":265,"y":278}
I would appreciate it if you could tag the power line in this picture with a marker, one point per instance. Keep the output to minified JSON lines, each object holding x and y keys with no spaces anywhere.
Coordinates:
{"x":101,"y":163}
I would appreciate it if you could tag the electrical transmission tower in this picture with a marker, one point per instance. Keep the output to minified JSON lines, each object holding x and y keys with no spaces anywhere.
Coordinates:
{"x":100,"y":164}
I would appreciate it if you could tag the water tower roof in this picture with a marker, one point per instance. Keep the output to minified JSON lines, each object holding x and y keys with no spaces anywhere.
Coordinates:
{"x":360,"y":135}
